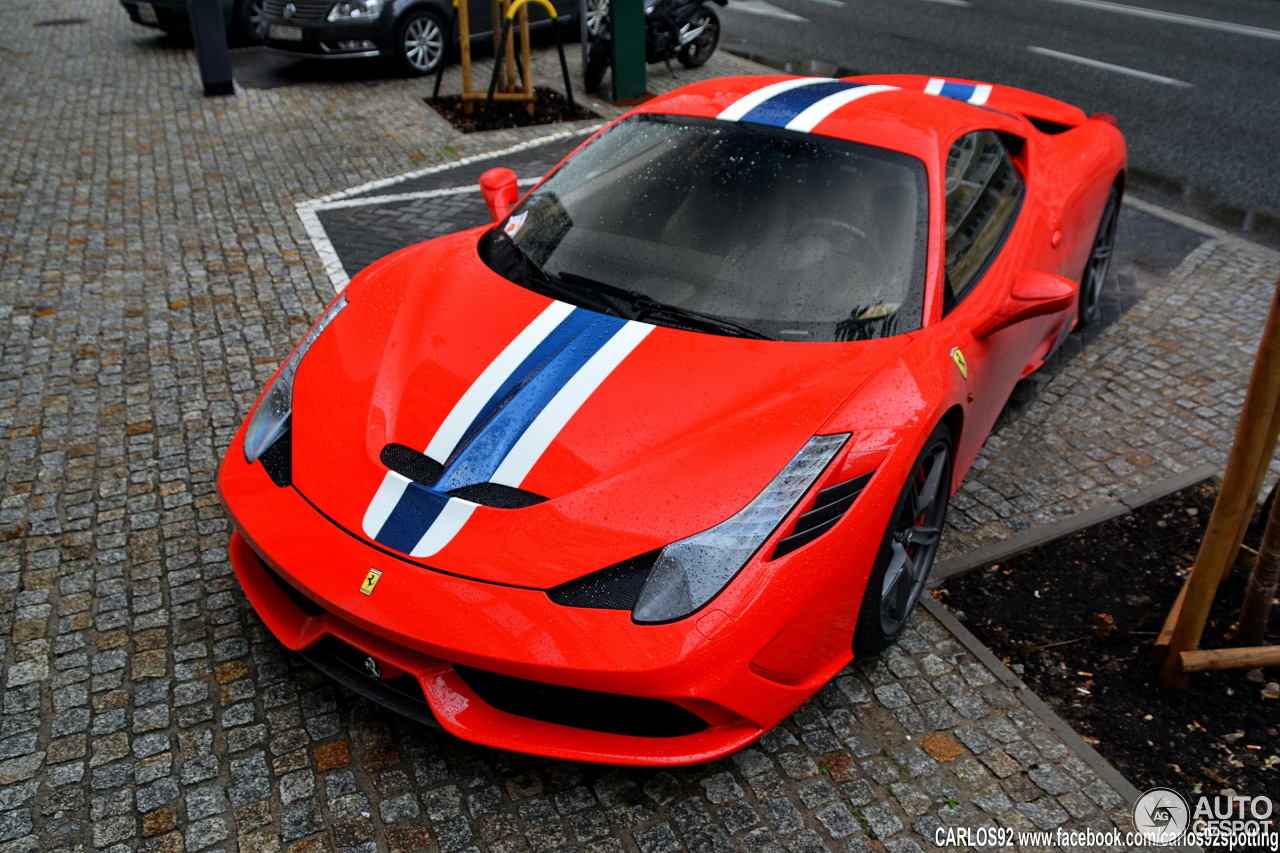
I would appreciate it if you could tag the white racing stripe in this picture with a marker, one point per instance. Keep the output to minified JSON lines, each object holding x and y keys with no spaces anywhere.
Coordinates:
{"x":465,"y":410}
{"x":747,"y":103}
{"x":388,"y":495}
{"x":813,"y":115}
{"x":547,"y":425}
{"x":1107,"y":66}
{"x":981,"y":91}
{"x":444,"y":528}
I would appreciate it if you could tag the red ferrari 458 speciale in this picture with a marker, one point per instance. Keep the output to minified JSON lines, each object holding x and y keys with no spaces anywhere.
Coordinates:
{"x":628,"y":475}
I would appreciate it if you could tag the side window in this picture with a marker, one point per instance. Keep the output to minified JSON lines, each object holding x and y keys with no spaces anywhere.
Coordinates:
{"x":983,"y":191}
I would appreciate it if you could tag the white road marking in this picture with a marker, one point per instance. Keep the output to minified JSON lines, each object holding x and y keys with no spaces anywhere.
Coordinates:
{"x":1175,"y":18}
{"x":442,"y":167}
{"x":839,"y":3}
{"x":368,"y":200}
{"x":950,"y":2}
{"x":1107,"y":66}
{"x":768,"y":10}
{"x":308,"y":211}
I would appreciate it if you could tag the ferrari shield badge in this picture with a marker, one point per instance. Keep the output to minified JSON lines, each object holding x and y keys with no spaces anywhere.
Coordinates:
{"x":370,"y":581}
{"x":961,"y":364}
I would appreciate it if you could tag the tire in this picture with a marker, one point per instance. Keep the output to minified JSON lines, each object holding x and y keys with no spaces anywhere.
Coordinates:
{"x":910,"y":545}
{"x":699,"y":50}
{"x":598,"y":59}
{"x":249,"y":21}
{"x":419,"y":46}
{"x":1099,"y":264}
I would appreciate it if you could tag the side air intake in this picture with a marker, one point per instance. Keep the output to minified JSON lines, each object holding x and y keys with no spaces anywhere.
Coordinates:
{"x":828,"y":508}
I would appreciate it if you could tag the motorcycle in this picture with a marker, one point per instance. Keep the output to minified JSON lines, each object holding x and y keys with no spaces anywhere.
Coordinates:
{"x":686,"y":30}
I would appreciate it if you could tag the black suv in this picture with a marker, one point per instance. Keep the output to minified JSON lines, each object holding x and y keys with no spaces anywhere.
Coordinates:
{"x":411,"y":32}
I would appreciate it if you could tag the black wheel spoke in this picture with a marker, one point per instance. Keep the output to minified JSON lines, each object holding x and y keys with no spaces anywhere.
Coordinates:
{"x":932,"y":485}
{"x":1095,"y":274}
{"x":924,"y":535}
{"x":913,"y":541}
{"x":899,"y":581}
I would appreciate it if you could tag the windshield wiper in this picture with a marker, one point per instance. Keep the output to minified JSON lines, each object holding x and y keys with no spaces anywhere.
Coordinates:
{"x":536,"y":278}
{"x":645,"y":306}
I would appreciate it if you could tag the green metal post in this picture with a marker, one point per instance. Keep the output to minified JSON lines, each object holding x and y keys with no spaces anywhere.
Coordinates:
{"x":629,"y":79}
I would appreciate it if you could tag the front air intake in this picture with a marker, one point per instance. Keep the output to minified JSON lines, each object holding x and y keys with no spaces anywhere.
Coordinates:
{"x":612,"y":713}
{"x":615,"y":588}
{"x":828,"y":507}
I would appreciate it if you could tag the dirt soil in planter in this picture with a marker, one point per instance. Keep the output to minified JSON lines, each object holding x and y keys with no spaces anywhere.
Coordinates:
{"x":550,"y":108}
{"x":1076,"y":619}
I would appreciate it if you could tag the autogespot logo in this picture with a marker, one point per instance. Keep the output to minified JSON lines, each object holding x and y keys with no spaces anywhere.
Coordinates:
{"x":1161,"y":815}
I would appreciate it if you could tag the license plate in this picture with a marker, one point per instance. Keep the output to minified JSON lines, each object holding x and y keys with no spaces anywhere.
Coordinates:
{"x":286,"y":33}
{"x":147,"y":14}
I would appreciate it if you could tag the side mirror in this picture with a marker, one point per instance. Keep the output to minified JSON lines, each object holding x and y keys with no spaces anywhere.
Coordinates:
{"x":498,"y":186}
{"x":1034,"y":294}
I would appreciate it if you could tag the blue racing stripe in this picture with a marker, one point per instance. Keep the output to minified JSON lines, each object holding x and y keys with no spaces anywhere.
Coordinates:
{"x":528,"y":390}
{"x":781,"y":109}
{"x":415,"y":512}
{"x":959,"y":91}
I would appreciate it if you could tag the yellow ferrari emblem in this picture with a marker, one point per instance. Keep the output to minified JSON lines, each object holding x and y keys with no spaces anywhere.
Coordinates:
{"x":370,"y":581}
{"x":961,"y":364}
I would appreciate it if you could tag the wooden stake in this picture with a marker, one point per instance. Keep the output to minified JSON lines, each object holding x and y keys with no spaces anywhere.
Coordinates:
{"x":1161,"y":647}
{"x":1261,"y":588}
{"x":1247,"y":658}
{"x":508,"y":83}
{"x":496,"y":8}
{"x":464,"y":42}
{"x":1222,"y":538}
{"x":526,"y":57}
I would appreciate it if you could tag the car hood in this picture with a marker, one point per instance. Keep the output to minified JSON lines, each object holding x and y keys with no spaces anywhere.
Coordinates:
{"x":620,"y":437}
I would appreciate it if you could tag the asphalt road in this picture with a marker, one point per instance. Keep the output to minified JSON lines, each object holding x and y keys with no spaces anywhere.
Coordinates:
{"x":1195,"y":83}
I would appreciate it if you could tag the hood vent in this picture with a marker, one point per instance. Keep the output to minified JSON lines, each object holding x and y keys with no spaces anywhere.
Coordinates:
{"x":829,"y":507}
{"x":425,"y":471}
{"x":407,"y":462}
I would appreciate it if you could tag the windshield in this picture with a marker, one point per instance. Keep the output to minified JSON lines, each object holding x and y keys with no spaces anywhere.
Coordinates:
{"x":784,"y":235}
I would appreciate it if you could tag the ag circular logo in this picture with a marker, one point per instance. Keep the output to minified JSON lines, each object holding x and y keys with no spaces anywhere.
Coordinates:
{"x":1161,"y":815}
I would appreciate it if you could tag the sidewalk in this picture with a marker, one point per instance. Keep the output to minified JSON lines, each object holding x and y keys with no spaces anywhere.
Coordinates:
{"x":154,"y":270}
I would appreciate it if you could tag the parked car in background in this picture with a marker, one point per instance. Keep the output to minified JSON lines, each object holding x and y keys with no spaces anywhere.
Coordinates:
{"x":409,"y":32}
{"x":243,"y":17}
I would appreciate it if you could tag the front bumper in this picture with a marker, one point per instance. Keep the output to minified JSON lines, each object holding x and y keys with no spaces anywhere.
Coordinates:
{"x":162,"y":15}
{"x":485,"y":662}
{"x":340,"y":40}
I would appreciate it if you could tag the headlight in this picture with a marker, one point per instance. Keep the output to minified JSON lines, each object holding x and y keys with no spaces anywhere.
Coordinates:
{"x":689,"y":573}
{"x":355,"y":10}
{"x":271,"y":418}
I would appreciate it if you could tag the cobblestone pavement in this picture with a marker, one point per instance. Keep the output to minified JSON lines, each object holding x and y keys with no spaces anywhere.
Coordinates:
{"x":153,"y":272}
